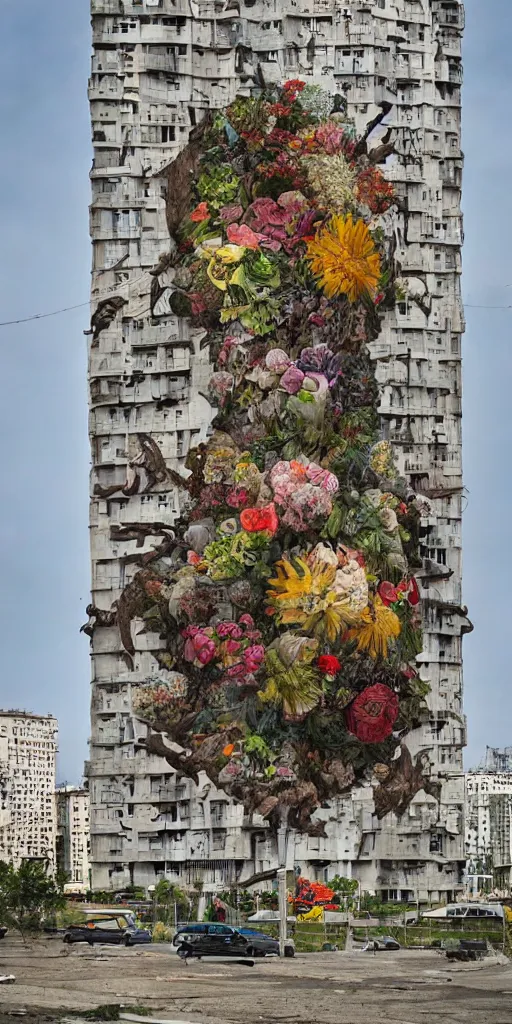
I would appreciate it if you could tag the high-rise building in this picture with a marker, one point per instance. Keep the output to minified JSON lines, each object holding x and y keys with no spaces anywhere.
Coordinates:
{"x":28,"y":749}
{"x":73,"y":832}
{"x":157,"y":66}
{"x":488,"y":819}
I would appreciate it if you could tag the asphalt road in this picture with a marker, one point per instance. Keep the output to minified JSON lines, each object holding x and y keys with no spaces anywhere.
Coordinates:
{"x":407,"y":987}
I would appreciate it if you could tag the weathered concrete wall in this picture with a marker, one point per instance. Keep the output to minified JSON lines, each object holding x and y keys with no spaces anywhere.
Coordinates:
{"x":157,"y":66}
{"x":28,"y":752}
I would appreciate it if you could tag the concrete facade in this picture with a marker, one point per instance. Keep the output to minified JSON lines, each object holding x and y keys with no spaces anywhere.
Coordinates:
{"x":28,"y":749}
{"x":489,"y":819}
{"x":73,"y":839}
{"x":157,"y":66}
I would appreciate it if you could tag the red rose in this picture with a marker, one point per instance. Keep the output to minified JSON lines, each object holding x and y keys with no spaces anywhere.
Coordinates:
{"x":388,"y":593}
{"x":373,"y":713}
{"x":413,"y":596}
{"x":410,"y":590}
{"x":328,"y":664}
{"x":255,"y":519}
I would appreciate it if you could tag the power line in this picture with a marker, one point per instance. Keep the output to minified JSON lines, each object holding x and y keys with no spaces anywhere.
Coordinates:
{"x":80,"y":305}
{"x":41,"y":316}
{"x":470,"y":305}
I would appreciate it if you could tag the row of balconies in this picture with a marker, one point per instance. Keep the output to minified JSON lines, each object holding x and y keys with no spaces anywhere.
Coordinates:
{"x":159,"y":388}
{"x":147,"y":360}
{"x":138,"y":8}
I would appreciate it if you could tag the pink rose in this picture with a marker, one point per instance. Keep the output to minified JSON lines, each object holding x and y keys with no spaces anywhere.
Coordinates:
{"x":253,"y":657}
{"x":229,"y":629}
{"x":322,"y":478}
{"x":277,"y":360}
{"x":232,"y":646}
{"x":206,"y":650}
{"x":231,"y":212}
{"x":292,"y":379}
{"x":246,"y":620}
{"x":190,"y":631}
{"x":241,"y":234}
{"x":236,"y":670}
{"x":237,"y":497}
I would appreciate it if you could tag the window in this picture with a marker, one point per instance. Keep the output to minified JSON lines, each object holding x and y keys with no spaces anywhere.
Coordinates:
{"x":218,"y":839}
{"x":107,"y":924}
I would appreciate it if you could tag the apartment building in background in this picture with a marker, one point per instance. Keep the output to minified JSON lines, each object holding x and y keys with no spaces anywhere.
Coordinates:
{"x":28,"y":750}
{"x":157,"y":66}
{"x":72,"y":845}
{"x":489,"y":820}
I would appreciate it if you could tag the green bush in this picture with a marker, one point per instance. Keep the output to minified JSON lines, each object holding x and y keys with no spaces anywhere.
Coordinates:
{"x":28,"y":896}
{"x":101,"y":896}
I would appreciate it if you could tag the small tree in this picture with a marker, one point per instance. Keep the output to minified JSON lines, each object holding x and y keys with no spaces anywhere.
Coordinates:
{"x":345,"y":886}
{"x":166,"y":893}
{"x":167,"y":897}
{"x":62,"y":878}
{"x":27,"y":896}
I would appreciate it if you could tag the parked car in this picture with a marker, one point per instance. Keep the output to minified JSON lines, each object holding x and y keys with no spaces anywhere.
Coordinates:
{"x":382,"y":942}
{"x":260,"y":941}
{"x":112,"y":930}
{"x":224,"y":940}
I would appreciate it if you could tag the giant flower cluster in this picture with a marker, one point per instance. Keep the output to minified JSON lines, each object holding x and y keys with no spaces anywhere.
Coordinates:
{"x":288,"y":604}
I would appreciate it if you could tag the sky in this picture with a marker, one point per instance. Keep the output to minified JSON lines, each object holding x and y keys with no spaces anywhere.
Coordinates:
{"x":44,"y":196}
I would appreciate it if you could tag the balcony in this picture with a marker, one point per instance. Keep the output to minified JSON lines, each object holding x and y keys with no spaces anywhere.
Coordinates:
{"x":449,"y":13}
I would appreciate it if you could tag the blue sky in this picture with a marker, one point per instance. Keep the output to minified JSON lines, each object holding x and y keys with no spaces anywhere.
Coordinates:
{"x":44,"y":196}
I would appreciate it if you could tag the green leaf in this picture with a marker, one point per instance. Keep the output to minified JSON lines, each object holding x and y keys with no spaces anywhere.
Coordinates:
{"x":335,"y":521}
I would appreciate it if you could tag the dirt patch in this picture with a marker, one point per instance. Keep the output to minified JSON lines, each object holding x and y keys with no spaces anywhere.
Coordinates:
{"x":407,"y":987}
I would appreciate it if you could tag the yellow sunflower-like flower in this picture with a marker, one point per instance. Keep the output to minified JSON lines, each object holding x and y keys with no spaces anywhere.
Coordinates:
{"x":303,"y":594}
{"x":343,"y":258}
{"x":379,"y":625}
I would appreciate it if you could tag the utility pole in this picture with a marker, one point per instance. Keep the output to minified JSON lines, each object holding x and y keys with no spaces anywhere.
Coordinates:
{"x":282,"y":849}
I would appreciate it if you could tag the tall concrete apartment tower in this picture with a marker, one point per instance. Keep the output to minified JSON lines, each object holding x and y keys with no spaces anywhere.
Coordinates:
{"x":157,"y":66}
{"x":28,"y":756}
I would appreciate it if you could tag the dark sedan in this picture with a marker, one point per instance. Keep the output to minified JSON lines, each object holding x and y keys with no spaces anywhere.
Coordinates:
{"x":224,"y":940}
{"x":111,"y":930}
{"x":383,"y":942}
{"x":263,"y":944}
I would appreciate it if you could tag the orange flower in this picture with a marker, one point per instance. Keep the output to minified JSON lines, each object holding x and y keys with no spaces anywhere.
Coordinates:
{"x":228,"y":750}
{"x":255,"y":519}
{"x":298,"y":468}
{"x":343,"y":259}
{"x":200,"y":213}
